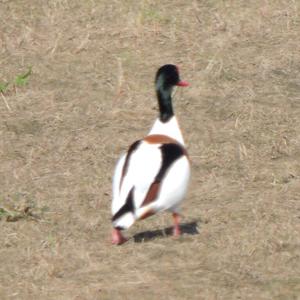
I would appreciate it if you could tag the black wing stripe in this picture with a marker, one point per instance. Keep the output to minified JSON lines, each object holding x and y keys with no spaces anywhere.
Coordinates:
{"x":127,"y":207}
{"x":170,"y":153}
{"x":131,"y":149}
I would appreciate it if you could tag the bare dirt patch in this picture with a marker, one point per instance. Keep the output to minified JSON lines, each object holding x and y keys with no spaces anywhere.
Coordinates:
{"x":90,"y":93}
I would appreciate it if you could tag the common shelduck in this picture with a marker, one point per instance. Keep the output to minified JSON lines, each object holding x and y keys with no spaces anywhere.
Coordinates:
{"x":154,"y":173}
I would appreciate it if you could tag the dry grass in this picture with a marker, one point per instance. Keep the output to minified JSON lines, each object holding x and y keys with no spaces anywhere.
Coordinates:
{"x":91,"y":91}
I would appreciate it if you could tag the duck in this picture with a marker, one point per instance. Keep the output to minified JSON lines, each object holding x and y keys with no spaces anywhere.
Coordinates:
{"x":153,"y":175}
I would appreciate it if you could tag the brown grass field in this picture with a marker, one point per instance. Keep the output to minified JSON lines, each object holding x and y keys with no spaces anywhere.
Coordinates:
{"x":91,"y":94}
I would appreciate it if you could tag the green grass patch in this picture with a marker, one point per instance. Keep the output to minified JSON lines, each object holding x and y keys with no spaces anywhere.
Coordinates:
{"x":19,"y":80}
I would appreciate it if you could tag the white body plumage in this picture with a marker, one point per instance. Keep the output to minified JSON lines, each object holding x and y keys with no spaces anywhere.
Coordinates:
{"x":143,"y":165}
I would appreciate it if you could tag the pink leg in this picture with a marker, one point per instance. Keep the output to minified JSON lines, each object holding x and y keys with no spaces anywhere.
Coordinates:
{"x":176,"y":229}
{"x":117,"y":237}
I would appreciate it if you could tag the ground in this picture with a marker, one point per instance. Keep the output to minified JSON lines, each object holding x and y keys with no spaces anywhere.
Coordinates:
{"x":90,"y":94}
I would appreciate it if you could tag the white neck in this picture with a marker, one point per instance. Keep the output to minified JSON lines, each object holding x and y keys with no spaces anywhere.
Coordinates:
{"x":170,"y":128}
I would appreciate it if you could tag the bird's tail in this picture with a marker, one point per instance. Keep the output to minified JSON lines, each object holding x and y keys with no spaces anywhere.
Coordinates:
{"x":125,"y":216}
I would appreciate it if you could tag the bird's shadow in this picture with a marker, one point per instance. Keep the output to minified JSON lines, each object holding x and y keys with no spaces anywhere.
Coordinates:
{"x":190,"y":228}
